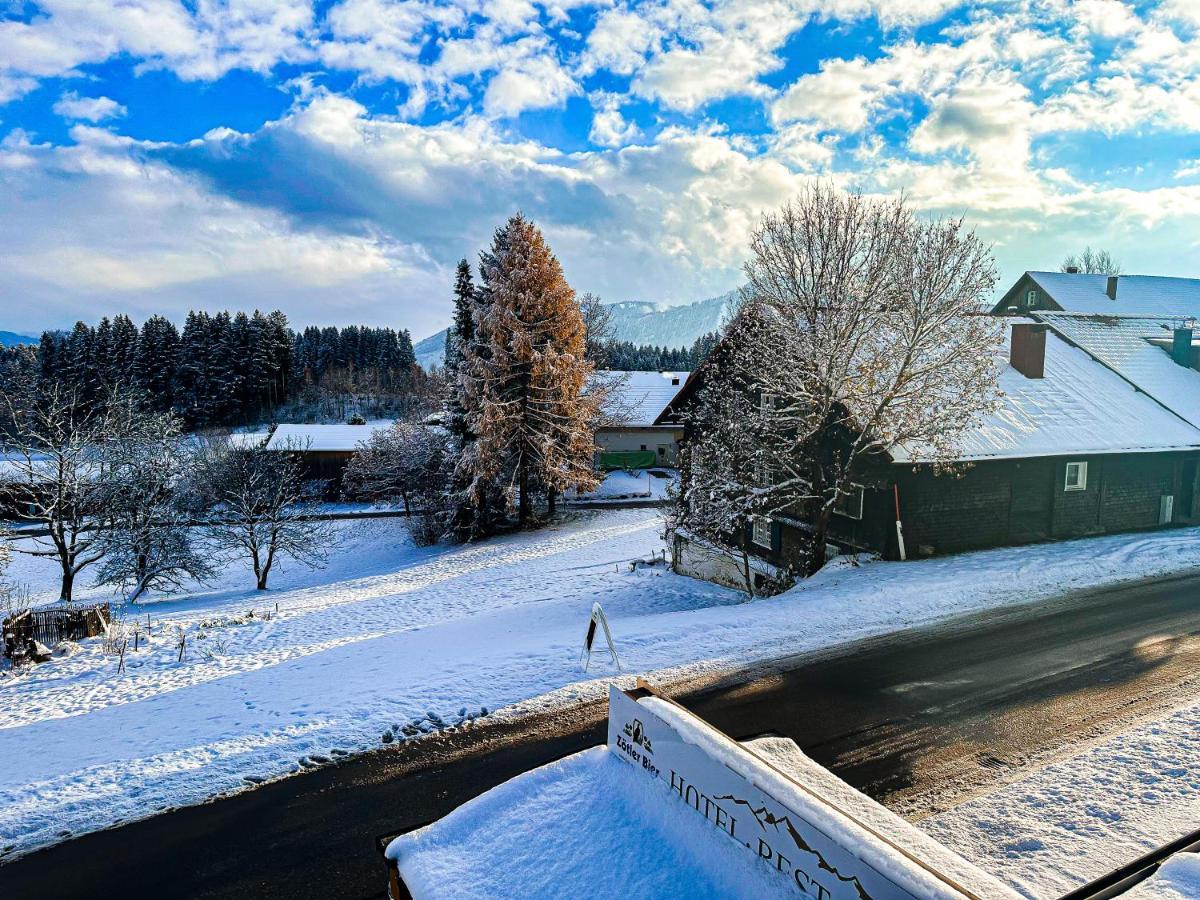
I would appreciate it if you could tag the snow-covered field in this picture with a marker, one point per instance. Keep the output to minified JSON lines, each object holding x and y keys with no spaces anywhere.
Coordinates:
{"x":390,"y":633}
{"x":1074,"y":821}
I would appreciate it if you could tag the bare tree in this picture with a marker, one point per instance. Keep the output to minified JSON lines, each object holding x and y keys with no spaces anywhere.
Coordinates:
{"x":598,"y":328}
{"x":411,"y":463}
{"x":1092,"y":262}
{"x":59,"y":466}
{"x":148,"y":542}
{"x":259,"y":506}
{"x":858,"y":335}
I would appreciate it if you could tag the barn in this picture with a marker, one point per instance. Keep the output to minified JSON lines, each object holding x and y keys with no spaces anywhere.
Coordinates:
{"x":324,"y":450}
{"x":1098,"y":432}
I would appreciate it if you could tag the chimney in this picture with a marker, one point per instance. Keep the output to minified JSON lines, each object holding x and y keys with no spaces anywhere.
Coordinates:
{"x":1181,"y":346}
{"x":1072,"y":270}
{"x":1027,"y":351}
{"x":1111,"y":289}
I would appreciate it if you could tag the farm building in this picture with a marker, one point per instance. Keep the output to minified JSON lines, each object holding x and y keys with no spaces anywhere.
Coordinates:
{"x":1098,"y":432}
{"x":634,"y":439}
{"x":324,"y":449}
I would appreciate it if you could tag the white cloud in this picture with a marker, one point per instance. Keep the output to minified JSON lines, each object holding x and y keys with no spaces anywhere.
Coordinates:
{"x":532,"y":82}
{"x":609,"y":126}
{"x":92,"y":109}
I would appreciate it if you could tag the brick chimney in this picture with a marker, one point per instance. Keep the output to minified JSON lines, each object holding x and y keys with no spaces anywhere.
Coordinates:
{"x":1181,"y":346}
{"x":1027,"y":350}
{"x":1111,"y":288}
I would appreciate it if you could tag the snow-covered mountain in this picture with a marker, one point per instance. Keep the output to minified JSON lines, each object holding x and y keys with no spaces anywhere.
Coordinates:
{"x":633,"y":320}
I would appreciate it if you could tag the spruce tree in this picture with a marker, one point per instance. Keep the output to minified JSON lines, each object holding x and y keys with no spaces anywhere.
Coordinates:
{"x":525,"y":374}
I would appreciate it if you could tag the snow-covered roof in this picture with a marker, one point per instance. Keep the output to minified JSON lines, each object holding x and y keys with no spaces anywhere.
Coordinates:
{"x":1136,"y":294}
{"x":1124,"y":344}
{"x":324,"y":438}
{"x":1079,"y":407}
{"x":639,"y":397}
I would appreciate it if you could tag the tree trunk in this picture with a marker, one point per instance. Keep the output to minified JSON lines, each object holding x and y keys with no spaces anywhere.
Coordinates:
{"x":551,"y":501}
{"x":816,"y":553}
{"x":68,"y":583}
{"x":523,"y":504}
{"x":262,"y":579}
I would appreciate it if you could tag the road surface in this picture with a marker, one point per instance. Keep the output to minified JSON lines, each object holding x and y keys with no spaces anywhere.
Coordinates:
{"x":918,"y":719}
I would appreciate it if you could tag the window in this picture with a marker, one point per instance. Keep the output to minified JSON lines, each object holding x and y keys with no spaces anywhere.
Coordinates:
{"x":760,"y":531}
{"x":1076,"y":479}
{"x":766,"y":402}
{"x":851,"y":505}
{"x":1031,"y":299}
{"x":643,"y":446}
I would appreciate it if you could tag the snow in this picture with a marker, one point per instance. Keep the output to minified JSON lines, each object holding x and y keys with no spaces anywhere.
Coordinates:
{"x":1121,"y":343}
{"x":1136,"y":294}
{"x":641,"y":396}
{"x":1079,"y":407}
{"x":390,"y":632}
{"x":1079,"y":819}
{"x":638,"y":484}
{"x":248,"y":439}
{"x":324,"y":438}
{"x":588,"y":825}
{"x":1176,"y":879}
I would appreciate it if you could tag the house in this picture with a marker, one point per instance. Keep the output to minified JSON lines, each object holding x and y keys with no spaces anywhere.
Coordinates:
{"x":1098,"y":432}
{"x":324,"y":450}
{"x":634,"y":438}
{"x":1152,"y":295}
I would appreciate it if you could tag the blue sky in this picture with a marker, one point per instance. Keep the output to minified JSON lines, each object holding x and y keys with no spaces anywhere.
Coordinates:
{"x":335,"y":159}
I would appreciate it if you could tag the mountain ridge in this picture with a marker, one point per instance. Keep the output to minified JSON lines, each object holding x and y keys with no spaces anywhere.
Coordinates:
{"x":636,"y":321}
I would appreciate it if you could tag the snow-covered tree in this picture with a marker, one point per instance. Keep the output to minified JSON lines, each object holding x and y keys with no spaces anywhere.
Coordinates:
{"x":1092,"y":262}
{"x":411,"y":463}
{"x":859,"y":333}
{"x":524,"y":377}
{"x":59,"y":468}
{"x":259,"y":506}
{"x":148,"y":540}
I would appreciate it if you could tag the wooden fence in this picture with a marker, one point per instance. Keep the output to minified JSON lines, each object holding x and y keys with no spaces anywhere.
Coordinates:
{"x":49,"y":626}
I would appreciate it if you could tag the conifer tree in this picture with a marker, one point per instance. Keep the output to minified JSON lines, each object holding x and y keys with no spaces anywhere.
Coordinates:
{"x":525,"y":374}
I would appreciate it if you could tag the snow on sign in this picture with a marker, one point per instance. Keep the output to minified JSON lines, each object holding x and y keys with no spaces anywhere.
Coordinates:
{"x":816,"y":849}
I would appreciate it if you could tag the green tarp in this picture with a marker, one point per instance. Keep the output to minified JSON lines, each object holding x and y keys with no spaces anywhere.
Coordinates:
{"x":629,"y":459}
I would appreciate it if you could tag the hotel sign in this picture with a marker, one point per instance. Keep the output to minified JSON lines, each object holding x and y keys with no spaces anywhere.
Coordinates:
{"x":805,"y":856}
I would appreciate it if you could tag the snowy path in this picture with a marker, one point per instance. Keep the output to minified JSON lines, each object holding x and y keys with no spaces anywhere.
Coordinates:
{"x":1078,"y":819}
{"x":390,"y":633}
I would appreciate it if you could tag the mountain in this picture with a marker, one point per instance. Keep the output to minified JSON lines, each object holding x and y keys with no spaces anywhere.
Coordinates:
{"x":431,"y":351}
{"x":12,"y":339}
{"x":669,"y":326}
{"x":633,"y":320}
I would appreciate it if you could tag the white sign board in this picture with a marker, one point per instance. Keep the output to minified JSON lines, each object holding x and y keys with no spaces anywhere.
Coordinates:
{"x":805,"y":857}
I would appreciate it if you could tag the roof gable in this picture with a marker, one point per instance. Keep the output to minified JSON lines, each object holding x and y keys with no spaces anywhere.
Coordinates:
{"x":1155,"y":295}
{"x":639,"y":398}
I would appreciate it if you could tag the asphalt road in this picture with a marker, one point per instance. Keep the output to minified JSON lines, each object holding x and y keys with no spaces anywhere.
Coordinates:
{"x":918,"y":719}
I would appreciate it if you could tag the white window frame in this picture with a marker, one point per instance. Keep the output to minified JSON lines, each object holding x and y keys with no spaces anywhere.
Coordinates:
{"x":756,"y":537}
{"x":856,"y":491}
{"x":1031,"y":298}
{"x":1080,"y":482}
{"x":766,"y":403}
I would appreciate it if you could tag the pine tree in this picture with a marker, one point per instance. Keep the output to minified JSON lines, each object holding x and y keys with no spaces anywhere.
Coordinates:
{"x":458,"y":336}
{"x":525,"y":375}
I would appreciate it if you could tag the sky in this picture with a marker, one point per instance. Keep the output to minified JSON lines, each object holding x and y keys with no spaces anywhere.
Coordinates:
{"x":335,"y":159}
